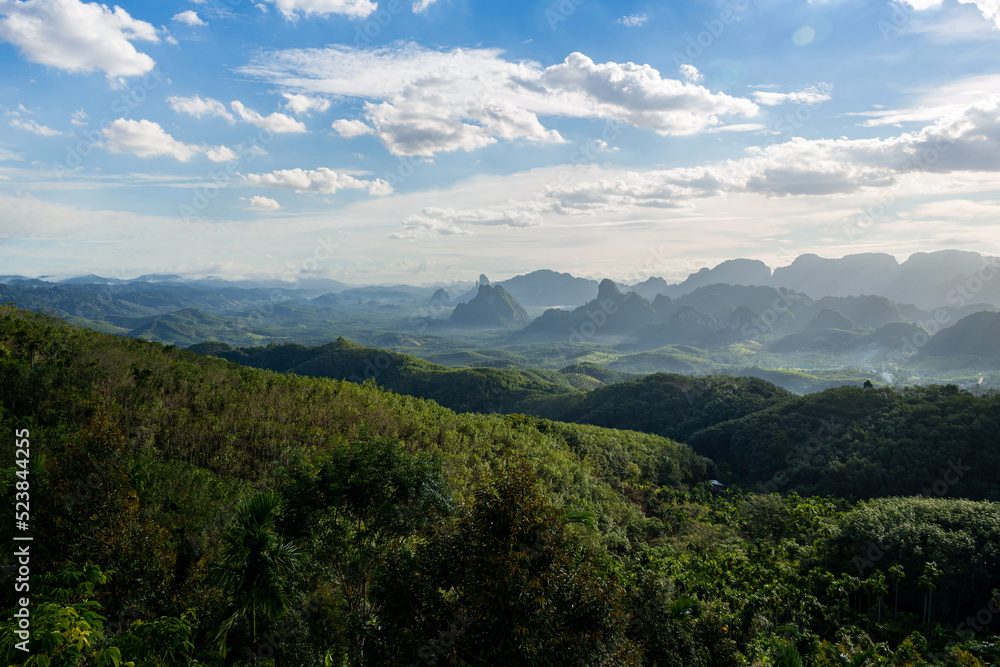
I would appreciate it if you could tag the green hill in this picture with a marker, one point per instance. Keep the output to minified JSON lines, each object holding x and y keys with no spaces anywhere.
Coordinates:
{"x":461,"y":389}
{"x":186,"y":510}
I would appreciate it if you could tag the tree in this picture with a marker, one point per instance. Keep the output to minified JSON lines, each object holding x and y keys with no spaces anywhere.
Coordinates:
{"x":506,"y":583}
{"x":931,"y":572}
{"x":255,"y":564}
{"x":366,"y":501}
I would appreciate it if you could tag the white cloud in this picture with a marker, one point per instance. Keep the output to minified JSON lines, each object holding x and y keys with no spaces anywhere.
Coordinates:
{"x":937,"y":102}
{"x":633,"y":20}
{"x":220,"y":153}
{"x":317,"y":181}
{"x":77,"y":36}
{"x":264,"y":202}
{"x":421,"y":102}
{"x":808,"y":96}
{"x":966,"y":142}
{"x":197,"y":107}
{"x":33,"y":126}
{"x":351,"y":8}
{"x":350,"y":128}
{"x":145,"y":138}
{"x":739,"y":127}
{"x":690,"y":72}
{"x":79,"y":117}
{"x":278,"y":123}
{"x":303,"y":104}
{"x":435,"y":220}
{"x":990,"y":9}
{"x":189,"y":17}
{"x":420,"y":6}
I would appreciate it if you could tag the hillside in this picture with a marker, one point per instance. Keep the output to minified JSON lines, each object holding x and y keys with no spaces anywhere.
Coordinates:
{"x":972,"y":342}
{"x":381,"y":524}
{"x":484,"y":390}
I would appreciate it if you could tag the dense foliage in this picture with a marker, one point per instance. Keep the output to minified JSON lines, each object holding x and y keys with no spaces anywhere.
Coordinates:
{"x":234,"y":515}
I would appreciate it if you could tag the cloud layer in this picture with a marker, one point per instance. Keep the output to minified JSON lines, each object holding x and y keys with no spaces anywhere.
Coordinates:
{"x":966,"y":141}
{"x":317,"y":181}
{"x":421,"y":101}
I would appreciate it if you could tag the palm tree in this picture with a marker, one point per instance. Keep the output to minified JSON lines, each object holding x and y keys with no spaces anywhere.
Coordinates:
{"x":931,"y":572}
{"x":254,"y":564}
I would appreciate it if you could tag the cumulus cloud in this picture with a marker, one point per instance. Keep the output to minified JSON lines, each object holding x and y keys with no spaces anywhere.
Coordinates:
{"x":79,"y":117}
{"x":317,"y":181}
{"x":808,"y":96}
{"x":967,"y":142}
{"x":220,"y":153}
{"x":265,"y":203}
{"x":77,"y":36}
{"x":304,"y":104}
{"x":189,"y":17}
{"x":633,"y":20}
{"x":421,"y":102}
{"x":350,"y":128}
{"x":990,"y":9}
{"x":197,"y":107}
{"x":357,"y":9}
{"x":35,"y":127}
{"x":690,"y":72}
{"x":278,"y":123}
{"x":145,"y":138}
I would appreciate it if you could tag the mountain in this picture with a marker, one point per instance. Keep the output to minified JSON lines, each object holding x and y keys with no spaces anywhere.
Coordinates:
{"x":187,"y":327}
{"x":827,"y":332}
{"x":719,"y":314}
{"x":547,"y":288}
{"x":90,"y":279}
{"x":440,"y":298}
{"x":492,"y":307}
{"x":730,"y":272}
{"x":867,"y":311}
{"x":651,"y":288}
{"x":954,"y":277}
{"x":973,"y":341}
{"x":611,"y":314}
{"x":471,"y":294}
{"x":853,"y":275}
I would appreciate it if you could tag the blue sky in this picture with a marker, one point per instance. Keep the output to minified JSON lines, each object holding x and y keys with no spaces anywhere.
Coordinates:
{"x":427,"y":141}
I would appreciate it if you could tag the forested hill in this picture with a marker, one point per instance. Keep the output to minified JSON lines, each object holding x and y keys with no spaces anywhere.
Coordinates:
{"x":848,"y":441}
{"x":461,"y":389}
{"x":185,"y":510}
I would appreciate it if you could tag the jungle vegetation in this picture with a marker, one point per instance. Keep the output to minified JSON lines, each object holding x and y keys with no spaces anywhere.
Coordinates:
{"x":187,"y":510}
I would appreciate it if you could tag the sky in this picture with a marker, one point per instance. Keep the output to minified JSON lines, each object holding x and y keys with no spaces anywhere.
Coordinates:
{"x":423,"y":141}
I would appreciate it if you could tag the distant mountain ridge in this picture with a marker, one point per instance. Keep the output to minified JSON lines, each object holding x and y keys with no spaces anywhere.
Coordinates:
{"x":493,"y":306}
